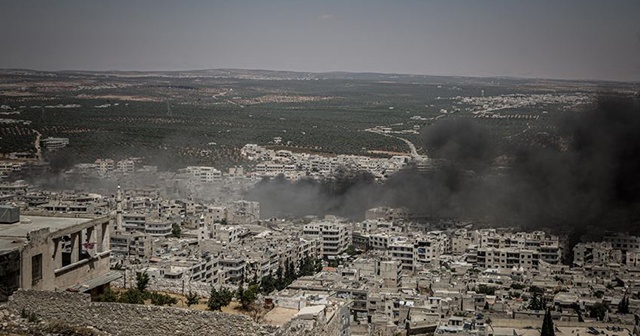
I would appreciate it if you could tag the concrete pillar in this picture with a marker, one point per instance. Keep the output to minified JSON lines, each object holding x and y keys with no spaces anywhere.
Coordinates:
{"x":75,"y":246}
{"x":91,"y":238}
{"x":57,"y":253}
{"x":106,"y":237}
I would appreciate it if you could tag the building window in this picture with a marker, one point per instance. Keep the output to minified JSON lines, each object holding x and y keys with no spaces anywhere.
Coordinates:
{"x":36,"y":268}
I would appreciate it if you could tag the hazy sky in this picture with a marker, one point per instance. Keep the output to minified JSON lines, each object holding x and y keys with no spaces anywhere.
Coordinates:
{"x":528,"y":38}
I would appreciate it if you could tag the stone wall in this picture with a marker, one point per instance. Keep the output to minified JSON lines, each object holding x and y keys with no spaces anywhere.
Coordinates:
{"x":126,"y":319}
{"x":334,"y":326}
{"x":203,"y":289}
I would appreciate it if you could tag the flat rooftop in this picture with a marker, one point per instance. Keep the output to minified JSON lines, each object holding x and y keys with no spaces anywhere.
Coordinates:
{"x":13,"y":236}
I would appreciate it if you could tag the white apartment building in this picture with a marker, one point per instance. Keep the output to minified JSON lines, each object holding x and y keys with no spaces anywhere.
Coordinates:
{"x":203,"y":174}
{"x":52,"y":144}
{"x":404,"y":251}
{"x":154,"y":227}
{"x":507,"y":258}
{"x":334,"y":237}
{"x":460,"y":241}
{"x":127,"y":166}
{"x":274,"y":169}
{"x":136,"y":244}
{"x":227,"y":234}
{"x":547,"y":246}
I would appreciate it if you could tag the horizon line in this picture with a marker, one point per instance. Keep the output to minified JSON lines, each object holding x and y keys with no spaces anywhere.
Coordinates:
{"x":331,"y":72}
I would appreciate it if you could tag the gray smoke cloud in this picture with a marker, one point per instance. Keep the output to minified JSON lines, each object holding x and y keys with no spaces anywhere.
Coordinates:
{"x":587,"y":174}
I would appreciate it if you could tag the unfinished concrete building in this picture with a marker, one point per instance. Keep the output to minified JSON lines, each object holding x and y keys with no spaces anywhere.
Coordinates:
{"x":55,"y":253}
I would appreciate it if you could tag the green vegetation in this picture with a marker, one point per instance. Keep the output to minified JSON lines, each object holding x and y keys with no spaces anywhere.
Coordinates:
{"x":599,"y":311}
{"x":487,"y":290}
{"x":219,"y":299}
{"x":516,"y":285}
{"x":160,"y":299}
{"x":192,"y":298}
{"x":173,"y":122}
{"x":142,"y":281}
{"x":547,"y":325}
{"x":248,"y":296}
{"x":537,"y":302}
{"x":176,"y":230}
{"x":623,"y":306}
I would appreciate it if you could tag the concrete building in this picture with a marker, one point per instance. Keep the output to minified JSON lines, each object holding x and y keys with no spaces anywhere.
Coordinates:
{"x":596,"y":254}
{"x":131,"y":244}
{"x":52,"y":144}
{"x":335,"y":237}
{"x":55,"y":253}
{"x":243,"y":212}
{"x":203,"y":174}
{"x":622,"y":241}
{"x":507,"y":258}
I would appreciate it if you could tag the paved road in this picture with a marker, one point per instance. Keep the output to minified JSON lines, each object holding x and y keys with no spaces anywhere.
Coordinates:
{"x":412,"y":147}
{"x":36,"y":144}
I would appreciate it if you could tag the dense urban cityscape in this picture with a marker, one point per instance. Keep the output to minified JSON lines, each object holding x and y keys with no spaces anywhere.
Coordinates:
{"x":320,"y":168}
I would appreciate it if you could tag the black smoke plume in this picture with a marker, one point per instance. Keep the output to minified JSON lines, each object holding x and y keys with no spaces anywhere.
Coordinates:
{"x":588,"y":175}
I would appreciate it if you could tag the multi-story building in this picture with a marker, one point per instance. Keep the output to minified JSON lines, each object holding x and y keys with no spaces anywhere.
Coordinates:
{"x":131,"y":244}
{"x":623,"y":242}
{"x":52,"y":144}
{"x":334,"y":237}
{"x":203,"y":174}
{"x":596,"y":254}
{"x":153,"y":226}
{"x":233,"y":269}
{"x":243,"y":212}
{"x":55,"y":253}
{"x":403,"y":250}
{"x":507,"y":258}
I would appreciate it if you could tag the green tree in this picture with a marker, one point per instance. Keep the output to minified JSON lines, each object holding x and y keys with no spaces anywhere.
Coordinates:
{"x":247,"y":297}
{"x":240,"y":291}
{"x":176,"y":230}
{"x":132,"y":295}
{"x":537,"y":302}
{"x":267,"y":284}
{"x":219,"y":299}
{"x":142,"y":281}
{"x":351,"y":250}
{"x":516,"y":285}
{"x":536,"y":290}
{"x":547,"y":325}
{"x":160,"y":299}
{"x":578,"y":311}
{"x":280,"y":282}
{"x":192,"y":298}
{"x":598,"y":310}
{"x":623,"y":305}
{"x":290,"y":273}
{"x":484,"y":289}
{"x":107,"y":296}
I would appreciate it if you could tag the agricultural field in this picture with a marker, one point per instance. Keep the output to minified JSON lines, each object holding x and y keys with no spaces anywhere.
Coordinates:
{"x":172,"y":119}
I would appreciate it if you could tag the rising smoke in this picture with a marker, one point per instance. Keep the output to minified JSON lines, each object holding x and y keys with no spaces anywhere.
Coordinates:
{"x":590,"y":176}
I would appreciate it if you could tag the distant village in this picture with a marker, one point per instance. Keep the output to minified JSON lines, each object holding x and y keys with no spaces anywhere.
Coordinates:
{"x":190,"y":233}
